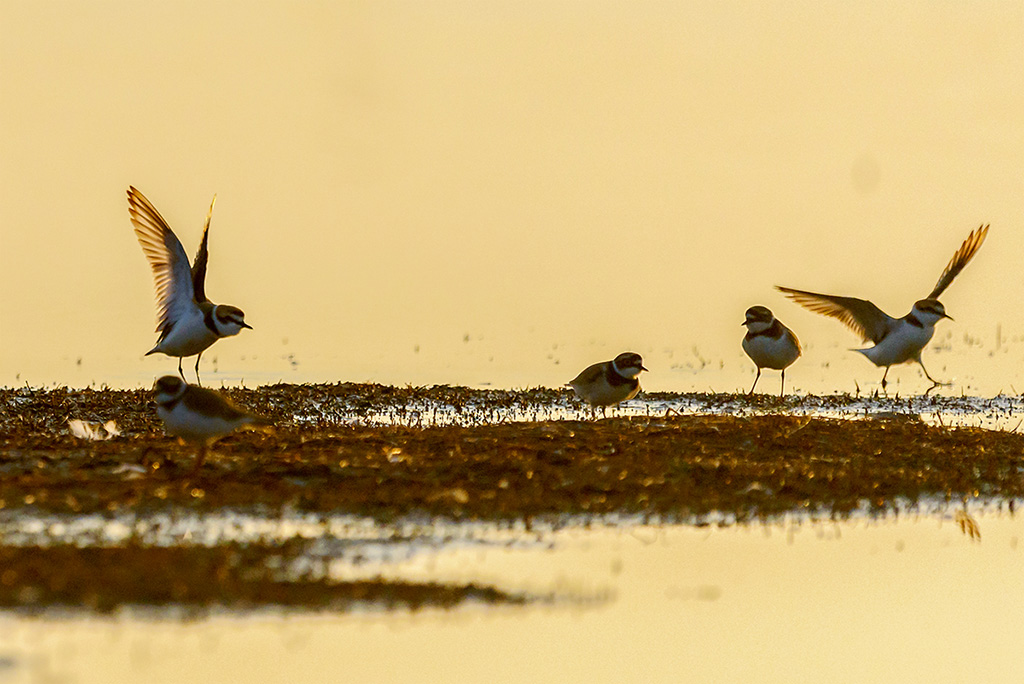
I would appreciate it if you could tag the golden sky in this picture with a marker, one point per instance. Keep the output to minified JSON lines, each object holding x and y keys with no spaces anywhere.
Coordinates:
{"x":555,"y":181}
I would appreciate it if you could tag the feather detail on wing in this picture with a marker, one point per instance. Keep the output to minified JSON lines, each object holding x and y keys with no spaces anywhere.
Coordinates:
{"x":860,"y":315}
{"x":791,"y":336}
{"x":589,"y":375}
{"x":167,"y":258}
{"x":963,"y":255}
{"x":199,"y":265}
{"x":209,"y":403}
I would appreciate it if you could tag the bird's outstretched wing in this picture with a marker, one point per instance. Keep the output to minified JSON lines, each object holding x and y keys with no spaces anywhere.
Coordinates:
{"x":963,"y":255}
{"x":860,"y":315}
{"x":202,"y":256}
{"x":167,"y":258}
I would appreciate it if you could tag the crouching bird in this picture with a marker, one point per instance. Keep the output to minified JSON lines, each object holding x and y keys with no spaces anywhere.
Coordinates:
{"x":609,"y":382}
{"x":198,"y":415}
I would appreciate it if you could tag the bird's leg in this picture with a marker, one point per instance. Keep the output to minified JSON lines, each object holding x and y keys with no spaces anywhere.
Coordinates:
{"x":884,"y":375}
{"x":758,"y":377}
{"x":181,"y":372}
{"x":935,"y":383}
{"x":200,"y":457}
{"x":782,"y":388}
{"x":198,"y":381}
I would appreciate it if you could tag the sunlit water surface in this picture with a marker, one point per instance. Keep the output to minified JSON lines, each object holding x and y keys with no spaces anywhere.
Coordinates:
{"x":901,"y":599}
{"x":996,"y":413}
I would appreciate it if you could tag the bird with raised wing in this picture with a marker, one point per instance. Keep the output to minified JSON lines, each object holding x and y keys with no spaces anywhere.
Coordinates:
{"x":187,"y":321}
{"x":895,"y":340}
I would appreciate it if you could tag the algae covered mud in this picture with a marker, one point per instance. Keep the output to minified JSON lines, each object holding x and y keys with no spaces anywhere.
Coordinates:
{"x":384,"y":452}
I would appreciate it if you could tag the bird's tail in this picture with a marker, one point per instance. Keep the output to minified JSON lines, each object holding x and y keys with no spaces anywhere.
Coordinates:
{"x":261,"y":424}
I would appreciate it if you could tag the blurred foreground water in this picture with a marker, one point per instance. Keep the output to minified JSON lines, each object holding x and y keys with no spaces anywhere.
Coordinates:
{"x":919,"y":597}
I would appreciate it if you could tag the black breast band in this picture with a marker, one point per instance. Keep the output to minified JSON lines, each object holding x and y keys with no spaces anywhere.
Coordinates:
{"x":208,"y":320}
{"x":616,"y":379}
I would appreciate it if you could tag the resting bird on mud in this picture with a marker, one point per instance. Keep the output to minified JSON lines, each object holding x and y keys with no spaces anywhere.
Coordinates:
{"x":609,"y":382}
{"x":196,"y":414}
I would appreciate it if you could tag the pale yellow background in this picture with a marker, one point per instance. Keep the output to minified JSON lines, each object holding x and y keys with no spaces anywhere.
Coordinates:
{"x":555,"y":181}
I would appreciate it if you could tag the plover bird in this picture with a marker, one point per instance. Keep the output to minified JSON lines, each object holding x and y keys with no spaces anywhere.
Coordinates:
{"x":187,"y":321}
{"x":896,"y":340}
{"x":609,"y":382}
{"x":769,"y":343}
{"x":196,"y":414}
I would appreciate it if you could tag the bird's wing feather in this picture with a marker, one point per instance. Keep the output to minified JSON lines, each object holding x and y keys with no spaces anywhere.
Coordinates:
{"x":202,"y":256}
{"x":860,"y":315}
{"x":589,"y":375}
{"x":167,"y":258}
{"x":210,"y":403}
{"x":960,"y":259}
{"x":791,"y":336}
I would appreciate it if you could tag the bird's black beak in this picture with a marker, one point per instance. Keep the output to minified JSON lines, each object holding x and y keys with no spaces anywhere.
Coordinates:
{"x":246,"y":325}
{"x":643,"y":369}
{"x":948,"y":316}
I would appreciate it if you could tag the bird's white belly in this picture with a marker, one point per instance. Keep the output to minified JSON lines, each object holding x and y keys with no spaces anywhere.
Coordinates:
{"x":603,"y":394}
{"x":181,"y":422}
{"x":768,"y":352}
{"x":188,"y":337}
{"x":901,"y":345}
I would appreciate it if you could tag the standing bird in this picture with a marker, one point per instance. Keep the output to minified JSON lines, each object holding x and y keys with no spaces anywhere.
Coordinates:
{"x":896,"y":340}
{"x":196,"y":414}
{"x":609,"y":382}
{"x":769,"y":343}
{"x":187,"y":321}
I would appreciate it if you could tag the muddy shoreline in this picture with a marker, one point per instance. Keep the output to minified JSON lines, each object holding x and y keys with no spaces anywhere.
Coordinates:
{"x":668,"y":465}
{"x":325,"y":457}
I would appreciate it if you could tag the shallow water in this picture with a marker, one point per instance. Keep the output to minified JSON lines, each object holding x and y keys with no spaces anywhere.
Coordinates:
{"x":904,"y":599}
{"x":1002,"y":412}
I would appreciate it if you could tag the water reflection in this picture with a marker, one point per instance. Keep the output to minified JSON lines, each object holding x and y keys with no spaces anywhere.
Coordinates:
{"x":797,"y":600}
